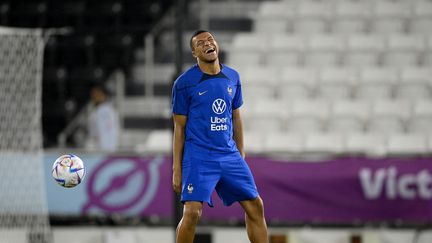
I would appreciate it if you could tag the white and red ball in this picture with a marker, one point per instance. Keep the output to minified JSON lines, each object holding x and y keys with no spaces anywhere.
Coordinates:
{"x":68,"y":170}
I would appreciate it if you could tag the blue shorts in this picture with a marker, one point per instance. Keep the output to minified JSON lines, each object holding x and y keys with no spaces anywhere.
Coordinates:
{"x":232,"y":180}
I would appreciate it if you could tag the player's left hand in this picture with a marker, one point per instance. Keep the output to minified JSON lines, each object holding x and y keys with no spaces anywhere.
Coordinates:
{"x":177,"y":181}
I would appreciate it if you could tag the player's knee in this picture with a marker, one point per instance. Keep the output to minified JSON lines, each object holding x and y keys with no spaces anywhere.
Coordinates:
{"x":259,"y":205}
{"x":257,"y":209}
{"x":192,"y":214}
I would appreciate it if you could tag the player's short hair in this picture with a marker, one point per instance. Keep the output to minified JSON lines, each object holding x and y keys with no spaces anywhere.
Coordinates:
{"x":100,"y":86}
{"x":195,"y":34}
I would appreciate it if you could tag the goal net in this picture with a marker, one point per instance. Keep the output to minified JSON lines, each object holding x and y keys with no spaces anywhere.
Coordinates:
{"x":23,"y":204}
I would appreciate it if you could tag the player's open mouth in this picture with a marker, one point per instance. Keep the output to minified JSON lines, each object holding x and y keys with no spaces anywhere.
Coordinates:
{"x":210,"y":50}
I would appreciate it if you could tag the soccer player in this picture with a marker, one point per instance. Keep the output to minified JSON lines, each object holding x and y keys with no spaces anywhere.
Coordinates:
{"x":208,"y":149}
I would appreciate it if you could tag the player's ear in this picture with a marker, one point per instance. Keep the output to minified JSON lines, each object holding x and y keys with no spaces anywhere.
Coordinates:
{"x":193,"y":53}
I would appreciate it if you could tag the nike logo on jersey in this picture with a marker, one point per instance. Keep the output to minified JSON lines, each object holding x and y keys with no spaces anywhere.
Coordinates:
{"x":201,"y":93}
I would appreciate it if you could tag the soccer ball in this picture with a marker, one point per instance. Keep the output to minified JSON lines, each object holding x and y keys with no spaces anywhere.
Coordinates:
{"x":68,"y":170}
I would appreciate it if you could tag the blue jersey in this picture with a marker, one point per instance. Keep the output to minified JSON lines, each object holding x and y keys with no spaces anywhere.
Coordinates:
{"x":208,"y":102}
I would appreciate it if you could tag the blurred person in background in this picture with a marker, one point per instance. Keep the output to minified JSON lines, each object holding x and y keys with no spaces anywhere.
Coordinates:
{"x":208,"y":151}
{"x":103,"y":123}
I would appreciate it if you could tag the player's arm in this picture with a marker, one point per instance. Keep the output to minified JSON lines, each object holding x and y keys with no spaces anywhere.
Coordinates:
{"x":178,"y":144}
{"x":238,"y":131}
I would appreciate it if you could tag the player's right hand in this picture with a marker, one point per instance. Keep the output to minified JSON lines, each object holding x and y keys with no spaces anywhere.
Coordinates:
{"x":176,"y":181}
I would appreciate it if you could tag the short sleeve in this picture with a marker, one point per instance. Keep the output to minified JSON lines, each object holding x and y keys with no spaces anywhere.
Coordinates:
{"x":238,"y":97}
{"x":180,"y":99}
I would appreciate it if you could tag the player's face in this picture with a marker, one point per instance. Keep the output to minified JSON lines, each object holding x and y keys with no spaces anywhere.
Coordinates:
{"x":205,"y":47}
{"x":97,"y":96}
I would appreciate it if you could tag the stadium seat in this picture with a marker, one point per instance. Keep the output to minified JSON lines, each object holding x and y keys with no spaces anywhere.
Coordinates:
{"x":273,"y":17}
{"x":399,"y":144}
{"x":260,"y":75}
{"x":159,"y":141}
{"x":336,"y":83}
{"x":414,"y":83}
{"x":247,"y":49}
{"x":421,"y":19}
{"x":259,"y":81}
{"x":404,"y":50}
{"x":357,"y":109}
{"x":307,"y":116}
{"x":422,"y":8}
{"x":351,"y":17}
{"x":422,"y":108}
{"x":283,"y":143}
{"x":271,"y":108}
{"x":348,"y":116}
{"x":161,"y":73}
{"x":263,"y":91}
{"x":421,"y":119}
{"x":221,"y":9}
{"x":365,"y":143}
{"x":390,"y":16}
{"x":364,"y":50}
{"x":297,"y":83}
{"x":376,"y":83}
{"x":146,"y":106}
{"x":131,"y":138}
{"x":245,"y":57}
{"x":264,"y":124}
{"x":312,"y":17}
{"x":304,"y":125}
{"x":285,"y":50}
{"x":420,"y":125}
{"x":324,"y":143}
{"x":344,"y":125}
{"x":396,"y":236}
{"x":427,"y":55}
{"x":254,"y":141}
{"x":270,"y":24}
{"x":398,"y":109}
{"x":430,"y":142}
{"x":324,"y":50}
{"x":420,"y":25}
{"x":416,"y":75}
{"x":316,"y":107}
{"x":389,"y":116}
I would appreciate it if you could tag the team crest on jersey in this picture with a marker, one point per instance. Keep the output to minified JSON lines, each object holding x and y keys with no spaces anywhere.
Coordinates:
{"x":230,"y":90}
{"x":190,"y":188}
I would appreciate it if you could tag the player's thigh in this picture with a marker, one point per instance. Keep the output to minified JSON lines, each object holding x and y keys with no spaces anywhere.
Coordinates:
{"x":237,"y":182}
{"x":237,"y":175}
{"x":199,"y":179}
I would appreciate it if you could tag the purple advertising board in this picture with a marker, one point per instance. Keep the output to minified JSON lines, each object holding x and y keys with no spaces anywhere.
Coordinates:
{"x":339,"y":190}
